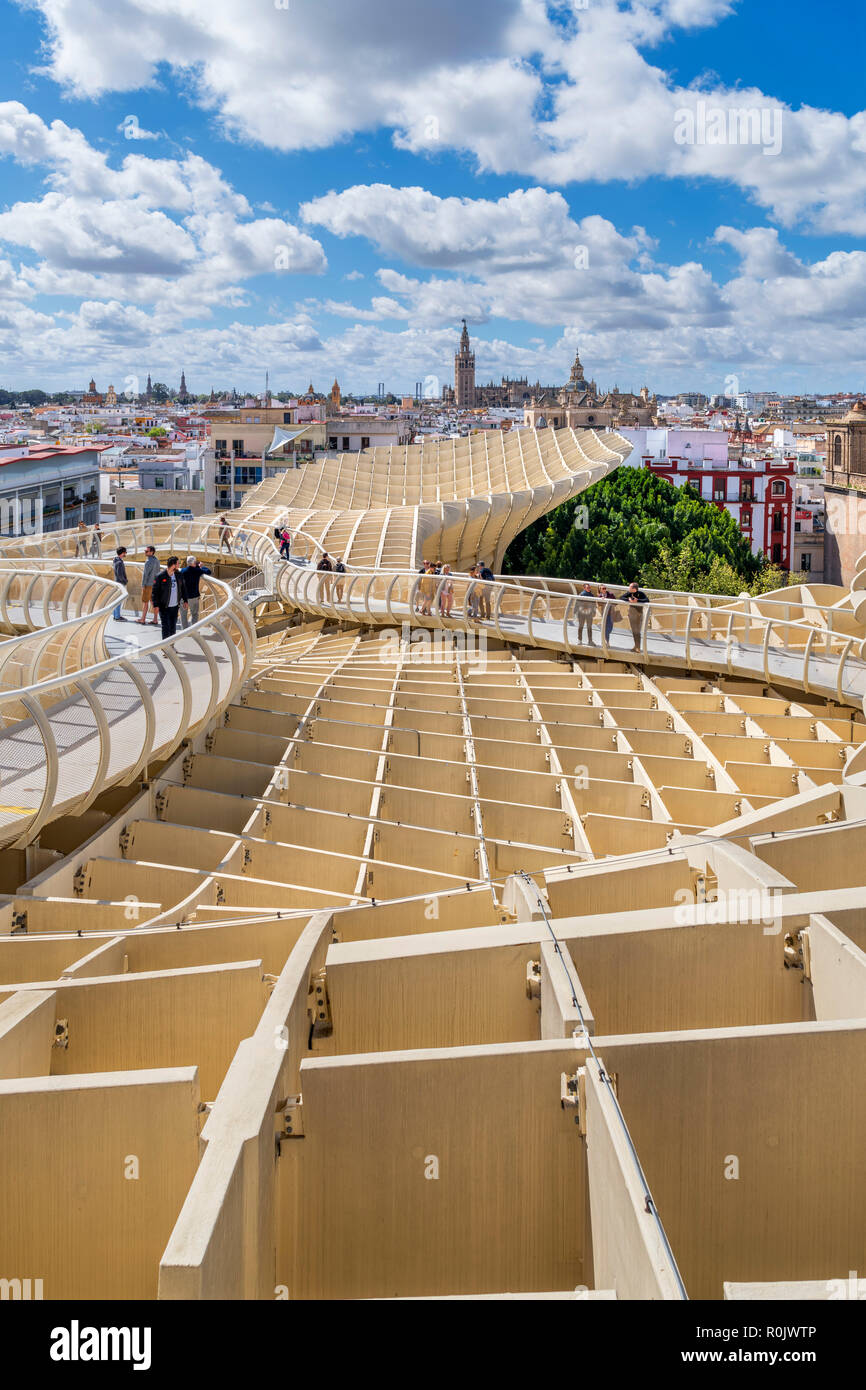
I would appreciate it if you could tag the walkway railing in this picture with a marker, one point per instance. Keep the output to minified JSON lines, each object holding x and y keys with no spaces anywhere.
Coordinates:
{"x":57,"y":620}
{"x":253,"y":541}
{"x":680,"y":629}
{"x":98,"y":722}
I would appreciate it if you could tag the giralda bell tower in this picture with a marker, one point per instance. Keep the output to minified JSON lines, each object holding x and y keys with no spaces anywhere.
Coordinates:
{"x":464,"y":373}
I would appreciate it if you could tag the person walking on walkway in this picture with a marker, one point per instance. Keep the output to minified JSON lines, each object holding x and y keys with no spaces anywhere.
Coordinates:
{"x":606,"y":601}
{"x":446,"y":593}
{"x":426,"y":590}
{"x":169,"y":593}
{"x":585,"y":613}
{"x":96,"y":543}
{"x":225,"y":535}
{"x":340,"y":573}
{"x":81,"y":541}
{"x":636,"y":599}
{"x":148,"y":575}
{"x":120,"y":578}
{"x":473,"y":594}
{"x":191,"y":574}
{"x":485,"y":593}
{"x":285,"y":541}
{"x":327,"y":572}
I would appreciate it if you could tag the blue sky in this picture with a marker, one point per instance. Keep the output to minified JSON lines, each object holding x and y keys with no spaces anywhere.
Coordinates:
{"x":324,"y":188}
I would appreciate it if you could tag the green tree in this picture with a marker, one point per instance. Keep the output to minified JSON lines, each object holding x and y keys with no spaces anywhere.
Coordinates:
{"x":159,"y":392}
{"x":634,"y":525}
{"x":157,"y":431}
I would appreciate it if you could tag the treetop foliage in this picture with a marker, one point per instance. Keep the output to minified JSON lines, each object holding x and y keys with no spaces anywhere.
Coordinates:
{"x":634,"y":525}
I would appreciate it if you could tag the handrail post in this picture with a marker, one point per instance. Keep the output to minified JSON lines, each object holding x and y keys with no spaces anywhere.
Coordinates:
{"x":688,"y":635}
{"x":532,"y":602}
{"x":52,"y":770}
{"x":768,"y":627}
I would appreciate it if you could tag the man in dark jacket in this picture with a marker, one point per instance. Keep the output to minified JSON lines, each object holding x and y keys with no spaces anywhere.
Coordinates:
{"x":327,"y":579}
{"x":169,"y":592}
{"x":191,"y":575}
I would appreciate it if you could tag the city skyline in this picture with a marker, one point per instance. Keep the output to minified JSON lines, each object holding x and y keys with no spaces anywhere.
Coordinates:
{"x":635,"y":180}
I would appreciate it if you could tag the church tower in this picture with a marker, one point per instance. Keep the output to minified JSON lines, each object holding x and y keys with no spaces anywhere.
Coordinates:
{"x":148,"y":395}
{"x":845,"y":495}
{"x":577,"y":381}
{"x":464,"y":373}
{"x":846,"y":448}
{"x":182,"y":393}
{"x":335,"y":396}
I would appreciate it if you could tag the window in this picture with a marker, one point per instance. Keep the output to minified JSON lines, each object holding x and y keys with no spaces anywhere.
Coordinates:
{"x":238,"y":446}
{"x":718,"y":492}
{"x":806,"y":562}
{"x":130,"y":513}
{"x":837,"y":451}
{"x":746,"y":491}
{"x":778,"y":521}
{"x":777,"y":554}
{"x":159,"y":482}
{"x":778,"y":488}
{"x":365,"y":441}
{"x":796,"y":525}
{"x":332,"y":442}
{"x":245,"y":477}
{"x":287,"y":417}
{"x":220,"y":448}
{"x":746,"y":516}
{"x":345,"y":444}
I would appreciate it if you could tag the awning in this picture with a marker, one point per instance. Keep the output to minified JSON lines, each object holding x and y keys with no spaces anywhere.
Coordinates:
{"x":282,"y":437}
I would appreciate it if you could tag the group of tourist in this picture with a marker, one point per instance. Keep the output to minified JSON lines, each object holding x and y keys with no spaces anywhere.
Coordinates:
{"x":436,"y":583}
{"x":171,"y":592}
{"x":609,"y":604}
{"x":333,"y":573}
{"x":89,"y":539}
{"x":434,"y":576}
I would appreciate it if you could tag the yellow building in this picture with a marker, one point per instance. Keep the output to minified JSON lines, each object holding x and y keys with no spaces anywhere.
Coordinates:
{"x":241,"y":440}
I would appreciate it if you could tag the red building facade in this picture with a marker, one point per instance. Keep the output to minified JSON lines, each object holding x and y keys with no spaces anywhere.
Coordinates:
{"x":759,"y":493}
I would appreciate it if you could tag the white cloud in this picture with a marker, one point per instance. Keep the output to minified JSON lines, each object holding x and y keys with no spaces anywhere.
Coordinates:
{"x":423,"y":229}
{"x":380,"y":308}
{"x":114,"y":237}
{"x":521,"y":86}
{"x":150,"y":230}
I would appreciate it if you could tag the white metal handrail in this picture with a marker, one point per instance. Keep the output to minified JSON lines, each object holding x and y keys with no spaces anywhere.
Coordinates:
{"x":763,"y":646}
{"x":203,"y":535}
{"x":102,"y":724}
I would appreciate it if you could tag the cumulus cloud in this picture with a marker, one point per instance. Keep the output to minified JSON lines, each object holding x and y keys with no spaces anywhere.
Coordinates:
{"x":526,"y":87}
{"x":150,"y":229}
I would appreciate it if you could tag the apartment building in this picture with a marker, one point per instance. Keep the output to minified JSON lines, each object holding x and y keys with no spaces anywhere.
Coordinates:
{"x":241,"y":443}
{"x":48,"y":488}
{"x":348,"y":434}
{"x":758,"y":492}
